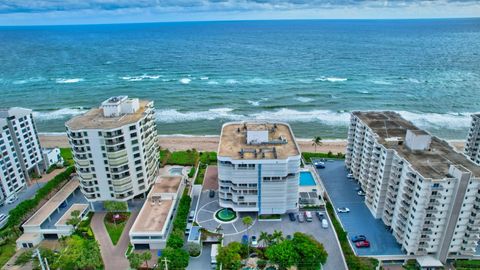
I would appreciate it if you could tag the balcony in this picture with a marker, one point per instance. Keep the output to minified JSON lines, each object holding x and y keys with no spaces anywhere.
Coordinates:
{"x":121,"y":181}
{"x":117,"y":154}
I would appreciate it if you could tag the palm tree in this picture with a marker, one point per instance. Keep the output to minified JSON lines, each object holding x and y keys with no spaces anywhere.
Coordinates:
{"x":277,"y":236}
{"x":316,"y":141}
{"x":146,"y":256}
{"x":247,"y":221}
{"x":264,"y":239}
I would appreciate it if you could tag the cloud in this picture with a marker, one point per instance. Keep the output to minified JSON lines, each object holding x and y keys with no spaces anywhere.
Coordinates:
{"x":36,"y":6}
{"x":20,"y":12}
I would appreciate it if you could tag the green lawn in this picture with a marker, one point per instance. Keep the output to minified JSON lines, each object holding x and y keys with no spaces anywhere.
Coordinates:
{"x":467,"y":264}
{"x":7,"y":250}
{"x":67,"y":155}
{"x":184,"y":158}
{"x":309,"y":155}
{"x":115,"y":230}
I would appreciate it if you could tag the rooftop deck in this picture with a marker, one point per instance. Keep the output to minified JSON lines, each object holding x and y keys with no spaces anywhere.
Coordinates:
{"x":68,"y":214}
{"x":432,"y":163}
{"x":51,"y":205}
{"x":155,"y":211}
{"x":94,"y":119}
{"x":233,"y":141}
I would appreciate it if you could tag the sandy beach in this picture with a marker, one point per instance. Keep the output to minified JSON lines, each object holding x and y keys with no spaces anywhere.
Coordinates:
{"x":210,"y":143}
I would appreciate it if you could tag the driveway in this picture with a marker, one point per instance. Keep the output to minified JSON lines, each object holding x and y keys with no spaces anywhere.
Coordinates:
{"x":113,"y":256}
{"x":27,"y":193}
{"x":202,"y":262}
{"x":342,"y":192}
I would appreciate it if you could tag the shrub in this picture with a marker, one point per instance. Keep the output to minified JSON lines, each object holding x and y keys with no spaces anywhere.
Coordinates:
{"x":114,"y":206}
{"x":194,"y":249}
{"x":201,"y":174}
{"x":191,"y":173}
{"x":261,"y":264}
{"x":24,"y":258}
{"x":175,"y":240}
{"x":177,"y":258}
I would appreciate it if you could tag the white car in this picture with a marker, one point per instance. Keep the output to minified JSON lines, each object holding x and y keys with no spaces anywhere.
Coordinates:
{"x":350,"y":176}
{"x":324,"y":223}
{"x":361,"y":193}
{"x":343,"y":210}
{"x":254,"y":241}
{"x":319,"y":163}
{"x":11,"y":199}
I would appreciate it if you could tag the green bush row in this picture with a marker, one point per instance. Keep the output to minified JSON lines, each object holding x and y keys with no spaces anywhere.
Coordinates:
{"x":353,"y":262}
{"x":467,"y":264}
{"x":18,"y":213}
{"x":174,"y":252}
{"x":309,"y":155}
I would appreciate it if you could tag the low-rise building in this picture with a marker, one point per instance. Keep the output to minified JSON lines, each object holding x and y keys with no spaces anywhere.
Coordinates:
{"x":423,"y":190}
{"x":114,"y":148}
{"x":51,"y":220}
{"x":51,"y":156}
{"x":472,"y":148}
{"x":20,"y":153}
{"x":153,"y":223}
{"x":258,"y":167}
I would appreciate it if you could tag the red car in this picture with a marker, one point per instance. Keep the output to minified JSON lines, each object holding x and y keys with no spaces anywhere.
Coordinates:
{"x":362,"y":244}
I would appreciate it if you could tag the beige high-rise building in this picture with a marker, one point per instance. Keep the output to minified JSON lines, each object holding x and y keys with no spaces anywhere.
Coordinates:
{"x":115,"y":149}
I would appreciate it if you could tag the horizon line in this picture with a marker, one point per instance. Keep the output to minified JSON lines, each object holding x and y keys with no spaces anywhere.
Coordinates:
{"x":246,"y":20}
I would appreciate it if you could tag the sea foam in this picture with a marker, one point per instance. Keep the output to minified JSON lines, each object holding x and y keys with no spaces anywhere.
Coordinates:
{"x":57,"y":114}
{"x":304,"y":99}
{"x":331,"y":79}
{"x":185,"y":80}
{"x":72,"y":80}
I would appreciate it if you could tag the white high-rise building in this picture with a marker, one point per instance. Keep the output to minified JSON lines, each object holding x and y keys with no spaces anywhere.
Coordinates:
{"x":115,"y":149}
{"x":423,"y":190}
{"x":258,"y":168}
{"x":472,"y":148}
{"x":20,"y":152}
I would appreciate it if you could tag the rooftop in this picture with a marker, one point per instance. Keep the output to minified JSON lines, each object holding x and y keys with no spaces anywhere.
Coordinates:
{"x":265,"y":141}
{"x":51,"y":205}
{"x":155,"y":211}
{"x":68,"y":214}
{"x":95,"y":119}
{"x":432,"y":163}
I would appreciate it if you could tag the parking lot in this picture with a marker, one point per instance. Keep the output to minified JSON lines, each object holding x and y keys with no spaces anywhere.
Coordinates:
{"x":234,"y":231}
{"x":27,"y":193}
{"x":359,"y":221}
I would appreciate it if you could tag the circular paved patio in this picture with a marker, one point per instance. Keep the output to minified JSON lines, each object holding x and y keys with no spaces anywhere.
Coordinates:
{"x":206,"y":218}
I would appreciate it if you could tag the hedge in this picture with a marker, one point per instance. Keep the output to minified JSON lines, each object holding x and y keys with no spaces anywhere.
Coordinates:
{"x":309,"y":155}
{"x":467,"y":264}
{"x":353,"y":262}
{"x":18,"y":213}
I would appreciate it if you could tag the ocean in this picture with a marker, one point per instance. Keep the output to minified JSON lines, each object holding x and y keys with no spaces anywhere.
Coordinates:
{"x":309,"y":73}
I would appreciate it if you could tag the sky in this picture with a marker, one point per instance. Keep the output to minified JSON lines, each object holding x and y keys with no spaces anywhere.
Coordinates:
{"x":53,"y":12}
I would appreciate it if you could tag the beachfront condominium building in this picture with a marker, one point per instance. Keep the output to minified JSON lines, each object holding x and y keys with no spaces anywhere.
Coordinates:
{"x":423,"y":190}
{"x":114,"y":149}
{"x":20,"y":152}
{"x":472,"y":148}
{"x":258,"y":167}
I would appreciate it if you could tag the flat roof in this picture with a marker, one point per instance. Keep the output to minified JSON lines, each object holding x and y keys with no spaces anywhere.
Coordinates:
{"x":233,"y":141}
{"x":68,"y":214}
{"x":27,"y":237}
{"x":432,"y":163}
{"x":94,"y":119}
{"x":51,"y":205}
{"x":166,"y":184}
{"x":155,"y":211}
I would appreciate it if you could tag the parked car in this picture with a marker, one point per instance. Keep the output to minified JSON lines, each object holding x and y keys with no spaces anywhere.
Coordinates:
{"x":362,"y":244}
{"x":319,"y":166}
{"x":292,"y":216}
{"x":191,"y":216}
{"x":3,"y":220}
{"x":245,"y":239}
{"x":361,"y":193}
{"x":343,"y":210}
{"x":11,"y":199}
{"x":358,"y":238}
{"x":320,"y":215}
{"x":350,"y":176}
{"x":308,"y":216}
{"x":301,"y":218}
{"x":254,"y":241}
{"x":324,"y":223}
{"x":211,"y":193}
{"x":319,"y":163}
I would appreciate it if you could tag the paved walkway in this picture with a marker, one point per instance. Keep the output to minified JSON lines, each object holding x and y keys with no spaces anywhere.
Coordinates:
{"x":113,"y":256}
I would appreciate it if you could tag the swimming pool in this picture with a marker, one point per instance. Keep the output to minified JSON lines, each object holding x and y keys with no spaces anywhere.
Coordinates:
{"x":175,"y":171}
{"x":306,"y":179}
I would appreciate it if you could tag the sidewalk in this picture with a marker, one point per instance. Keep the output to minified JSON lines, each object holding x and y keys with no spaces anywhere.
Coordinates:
{"x":113,"y":256}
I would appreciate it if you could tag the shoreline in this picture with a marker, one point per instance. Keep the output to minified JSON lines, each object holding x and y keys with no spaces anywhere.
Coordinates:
{"x":180,"y":142}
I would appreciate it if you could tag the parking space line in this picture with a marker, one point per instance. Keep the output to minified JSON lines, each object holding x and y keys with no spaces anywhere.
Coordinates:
{"x":208,"y":211}
{"x":235,"y":227}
